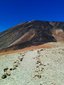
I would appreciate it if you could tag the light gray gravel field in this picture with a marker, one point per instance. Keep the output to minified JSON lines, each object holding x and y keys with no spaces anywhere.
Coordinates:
{"x":38,"y":67}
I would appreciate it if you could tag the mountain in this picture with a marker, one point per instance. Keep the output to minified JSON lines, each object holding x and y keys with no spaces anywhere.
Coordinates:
{"x":32,"y":54}
{"x":31,"y":33}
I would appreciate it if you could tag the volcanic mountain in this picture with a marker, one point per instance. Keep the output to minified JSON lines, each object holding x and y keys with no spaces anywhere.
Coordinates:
{"x":31,"y":33}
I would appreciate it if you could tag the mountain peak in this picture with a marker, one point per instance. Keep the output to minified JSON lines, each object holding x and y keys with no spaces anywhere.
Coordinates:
{"x":32,"y":33}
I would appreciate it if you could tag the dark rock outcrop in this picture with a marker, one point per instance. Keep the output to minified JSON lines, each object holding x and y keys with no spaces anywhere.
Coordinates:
{"x":32,"y":33}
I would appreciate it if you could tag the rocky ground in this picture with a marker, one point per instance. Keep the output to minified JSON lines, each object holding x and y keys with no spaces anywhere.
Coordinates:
{"x":42,"y":66}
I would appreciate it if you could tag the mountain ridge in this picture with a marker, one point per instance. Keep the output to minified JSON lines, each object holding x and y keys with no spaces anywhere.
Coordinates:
{"x":32,"y":33}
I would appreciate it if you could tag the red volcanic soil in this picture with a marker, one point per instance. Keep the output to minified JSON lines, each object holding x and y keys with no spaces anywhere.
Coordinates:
{"x":48,"y":45}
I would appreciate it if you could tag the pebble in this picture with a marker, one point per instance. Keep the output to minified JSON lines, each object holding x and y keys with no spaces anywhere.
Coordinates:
{"x":4,"y":76}
{"x":5,"y":69}
{"x":11,"y":69}
{"x":20,"y":58}
{"x":39,"y":76}
{"x":8,"y":72}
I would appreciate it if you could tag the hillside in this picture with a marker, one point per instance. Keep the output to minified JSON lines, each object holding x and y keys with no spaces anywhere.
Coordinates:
{"x":40,"y":66}
{"x":32,"y":53}
{"x":31,"y":33}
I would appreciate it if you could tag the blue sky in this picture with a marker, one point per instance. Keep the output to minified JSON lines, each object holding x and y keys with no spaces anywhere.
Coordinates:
{"x":13,"y":12}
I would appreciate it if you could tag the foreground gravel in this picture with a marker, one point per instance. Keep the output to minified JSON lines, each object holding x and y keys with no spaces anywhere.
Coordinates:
{"x":35,"y":67}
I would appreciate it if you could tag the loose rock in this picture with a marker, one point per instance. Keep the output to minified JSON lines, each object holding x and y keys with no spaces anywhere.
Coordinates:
{"x":4,"y":76}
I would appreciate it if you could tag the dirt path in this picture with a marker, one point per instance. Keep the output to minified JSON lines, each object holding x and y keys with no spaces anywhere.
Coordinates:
{"x":35,"y":67}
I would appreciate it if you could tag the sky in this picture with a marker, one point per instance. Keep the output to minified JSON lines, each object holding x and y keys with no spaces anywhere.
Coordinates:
{"x":13,"y":12}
